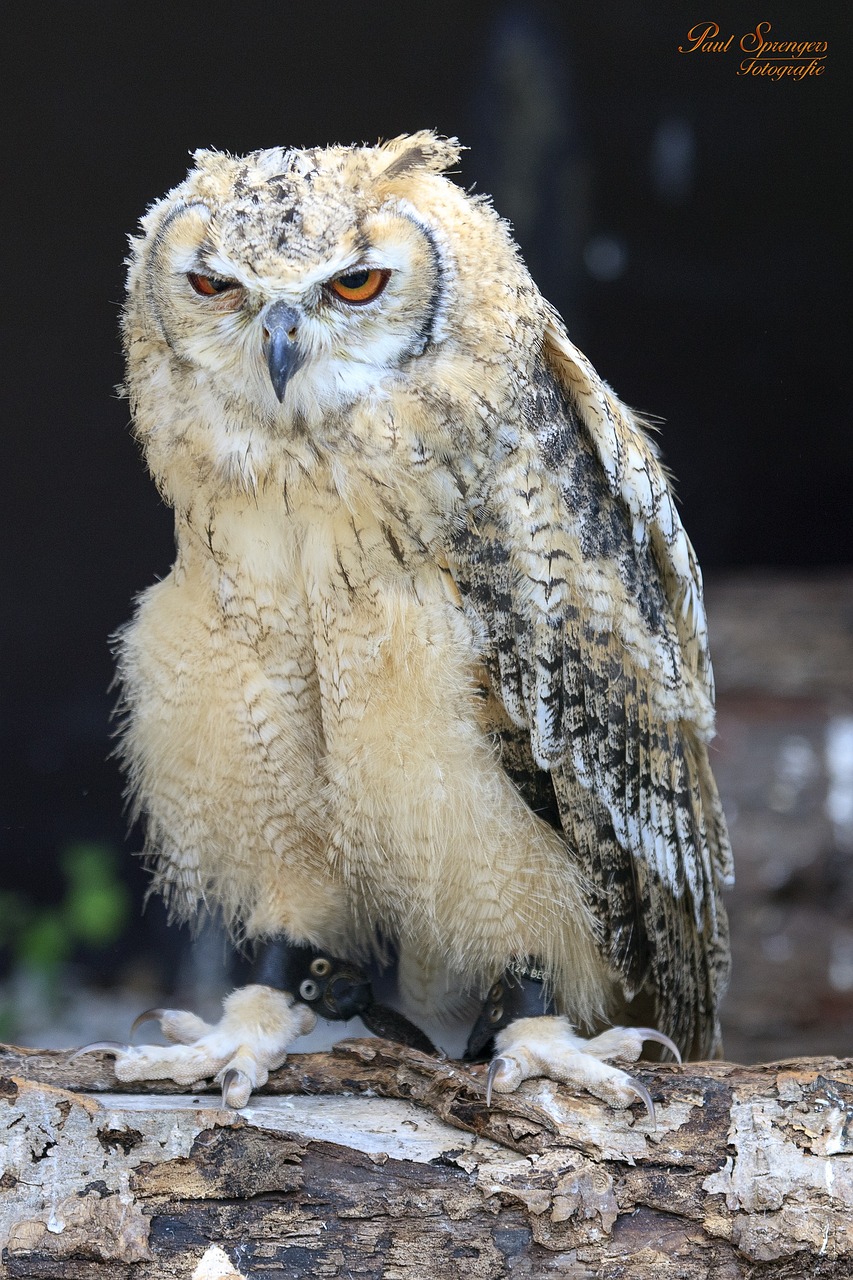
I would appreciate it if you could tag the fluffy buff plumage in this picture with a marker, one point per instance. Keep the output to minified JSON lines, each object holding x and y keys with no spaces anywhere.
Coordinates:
{"x":431,"y":667}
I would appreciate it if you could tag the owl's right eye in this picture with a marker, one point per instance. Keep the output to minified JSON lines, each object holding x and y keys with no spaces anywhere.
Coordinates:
{"x":210,"y":286}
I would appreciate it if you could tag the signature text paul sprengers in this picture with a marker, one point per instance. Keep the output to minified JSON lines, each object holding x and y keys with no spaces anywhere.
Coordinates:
{"x":776,"y":59}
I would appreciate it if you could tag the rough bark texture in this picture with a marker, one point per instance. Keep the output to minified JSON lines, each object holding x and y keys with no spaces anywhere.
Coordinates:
{"x":377,"y":1161}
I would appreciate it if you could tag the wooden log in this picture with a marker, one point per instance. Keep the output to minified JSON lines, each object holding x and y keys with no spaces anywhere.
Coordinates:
{"x":377,"y":1161}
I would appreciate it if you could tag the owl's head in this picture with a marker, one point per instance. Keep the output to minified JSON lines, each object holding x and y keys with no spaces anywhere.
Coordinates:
{"x":299,"y":280}
{"x":279,"y":299}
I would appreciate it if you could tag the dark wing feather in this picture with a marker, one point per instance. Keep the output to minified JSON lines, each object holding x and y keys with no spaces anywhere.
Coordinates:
{"x":580,"y":574}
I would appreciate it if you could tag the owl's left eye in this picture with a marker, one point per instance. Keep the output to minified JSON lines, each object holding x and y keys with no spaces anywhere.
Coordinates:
{"x":362,"y":285}
{"x":210,"y":286}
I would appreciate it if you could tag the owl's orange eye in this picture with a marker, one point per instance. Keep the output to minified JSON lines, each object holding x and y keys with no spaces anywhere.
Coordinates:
{"x":210,"y":286}
{"x":362,"y":285}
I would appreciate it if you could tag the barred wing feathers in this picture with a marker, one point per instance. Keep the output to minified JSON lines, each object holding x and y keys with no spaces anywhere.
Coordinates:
{"x":586,"y":588}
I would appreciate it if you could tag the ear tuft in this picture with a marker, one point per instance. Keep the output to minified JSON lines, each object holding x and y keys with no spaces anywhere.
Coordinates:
{"x":422,"y":150}
{"x":206,"y":157}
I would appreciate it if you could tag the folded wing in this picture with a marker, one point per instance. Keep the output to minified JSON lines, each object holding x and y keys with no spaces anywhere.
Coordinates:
{"x":586,"y":590}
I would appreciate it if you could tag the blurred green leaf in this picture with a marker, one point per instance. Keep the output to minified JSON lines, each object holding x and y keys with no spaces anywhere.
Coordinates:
{"x":46,"y":941}
{"x":93,"y":911}
{"x":96,"y":914}
{"x":97,"y":902}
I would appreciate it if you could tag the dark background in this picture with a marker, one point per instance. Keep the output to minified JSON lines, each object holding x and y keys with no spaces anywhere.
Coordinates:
{"x":691,"y":225}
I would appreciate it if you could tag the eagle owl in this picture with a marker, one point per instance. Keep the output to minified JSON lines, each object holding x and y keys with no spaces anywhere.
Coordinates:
{"x":429,"y":677}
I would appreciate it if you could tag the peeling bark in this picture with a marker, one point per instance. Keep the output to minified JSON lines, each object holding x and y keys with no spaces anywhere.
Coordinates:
{"x":377,"y":1161}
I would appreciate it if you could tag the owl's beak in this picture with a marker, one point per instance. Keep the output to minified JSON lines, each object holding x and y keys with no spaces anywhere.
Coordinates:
{"x":281,"y":324}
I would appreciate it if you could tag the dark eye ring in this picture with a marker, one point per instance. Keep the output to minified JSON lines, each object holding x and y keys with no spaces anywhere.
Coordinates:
{"x":210,"y":286}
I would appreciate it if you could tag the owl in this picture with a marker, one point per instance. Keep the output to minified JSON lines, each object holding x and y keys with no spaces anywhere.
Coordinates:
{"x":428,"y":684}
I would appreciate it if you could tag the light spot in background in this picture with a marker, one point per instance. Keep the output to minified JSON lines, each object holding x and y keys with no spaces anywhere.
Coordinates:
{"x":797,"y":765}
{"x":605,"y":257}
{"x":774,"y":873}
{"x":778,"y":947}
{"x":673,"y":159}
{"x":840,"y":971}
{"x":839,"y":767}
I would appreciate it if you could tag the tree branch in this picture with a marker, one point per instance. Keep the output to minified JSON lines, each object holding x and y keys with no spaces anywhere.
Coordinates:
{"x":378,"y":1161}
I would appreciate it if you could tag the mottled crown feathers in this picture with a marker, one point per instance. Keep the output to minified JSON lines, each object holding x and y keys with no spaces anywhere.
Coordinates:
{"x":423,"y":150}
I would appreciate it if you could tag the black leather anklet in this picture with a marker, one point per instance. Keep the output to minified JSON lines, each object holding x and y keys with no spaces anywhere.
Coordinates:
{"x":334,"y":989}
{"x":520,"y":992}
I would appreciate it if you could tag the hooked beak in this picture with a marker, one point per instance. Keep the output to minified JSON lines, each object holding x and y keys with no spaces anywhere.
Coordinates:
{"x":283,"y":355}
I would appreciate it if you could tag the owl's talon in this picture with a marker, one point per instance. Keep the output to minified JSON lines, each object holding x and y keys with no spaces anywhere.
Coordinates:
{"x":646,"y":1098}
{"x":649,"y":1033}
{"x":495,"y":1067}
{"x":150,"y":1015}
{"x":236,"y":1088}
{"x":100,"y":1046}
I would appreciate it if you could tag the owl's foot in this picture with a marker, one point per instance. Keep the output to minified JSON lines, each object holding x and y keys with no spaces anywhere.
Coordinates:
{"x":549,"y":1047}
{"x":257,"y":1027}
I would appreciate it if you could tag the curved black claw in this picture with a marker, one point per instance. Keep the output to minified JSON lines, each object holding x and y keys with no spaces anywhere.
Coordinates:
{"x":645,"y":1097}
{"x":150,"y":1015}
{"x":649,"y":1033}
{"x":100,"y":1046}
{"x":494,"y":1067}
